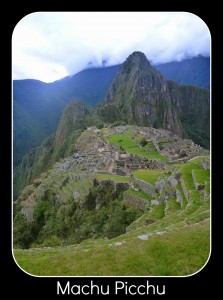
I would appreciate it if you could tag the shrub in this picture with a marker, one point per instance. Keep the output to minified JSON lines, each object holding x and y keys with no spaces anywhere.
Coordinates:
{"x":143,"y":142}
{"x":51,"y":242}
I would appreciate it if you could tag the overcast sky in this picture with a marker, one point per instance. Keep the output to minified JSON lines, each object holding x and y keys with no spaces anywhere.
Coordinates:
{"x":51,"y":45}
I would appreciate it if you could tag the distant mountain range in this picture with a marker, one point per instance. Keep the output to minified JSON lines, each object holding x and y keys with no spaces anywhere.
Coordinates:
{"x":38,"y":105}
{"x":195,"y":71}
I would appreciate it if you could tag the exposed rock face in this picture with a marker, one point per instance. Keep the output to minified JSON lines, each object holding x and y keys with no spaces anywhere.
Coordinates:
{"x":140,"y":95}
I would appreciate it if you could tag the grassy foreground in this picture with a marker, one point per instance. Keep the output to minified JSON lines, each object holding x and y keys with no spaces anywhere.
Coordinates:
{"x":178,"y":252}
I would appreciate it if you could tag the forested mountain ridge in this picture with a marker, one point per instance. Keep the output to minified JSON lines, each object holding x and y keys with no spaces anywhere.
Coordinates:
{"x":193,"y":71}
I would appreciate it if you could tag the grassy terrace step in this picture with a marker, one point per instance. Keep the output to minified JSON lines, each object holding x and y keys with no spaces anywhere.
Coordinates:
{"x":178,"y":252}
{"x":191,"y":214}
{"x":184,"y":200}
{"x":194,"y":202}
{"x":150,"y":176}
{"x":172,"y":205}
{"x":194,"y":212}
{"x":198,"y":217}
{"x":207,"y":187}
{"x":83,"y":186}
{"x":139,"y":194}
{"x":67,"y":192}
{"x":116,"y":178}
{"x":201,"y":175}
{"x":68,"y":187}
{"x":157,"y":212}
{"x":131,"y":146}
{"x":186,"y":169}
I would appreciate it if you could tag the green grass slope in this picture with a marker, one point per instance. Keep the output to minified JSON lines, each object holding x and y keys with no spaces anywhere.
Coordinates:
{"x":179,"y":252}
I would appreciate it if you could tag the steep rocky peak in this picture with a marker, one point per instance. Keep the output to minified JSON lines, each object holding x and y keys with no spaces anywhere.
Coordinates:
{"x":136,"y":57}
{"x":135,"y":62}
{"x":140,"y":95}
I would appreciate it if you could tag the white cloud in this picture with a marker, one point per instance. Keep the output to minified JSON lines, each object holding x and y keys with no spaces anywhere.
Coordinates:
{"x":51,"y":45}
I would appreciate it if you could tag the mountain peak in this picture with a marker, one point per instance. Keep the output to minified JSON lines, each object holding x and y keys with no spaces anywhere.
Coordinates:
{"x":139,"y":95}
{"x":137,"y":55}
{"x":136,"y":58}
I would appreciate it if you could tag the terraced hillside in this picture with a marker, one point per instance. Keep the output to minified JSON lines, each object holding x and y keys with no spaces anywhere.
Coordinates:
{"x":131,"y":201}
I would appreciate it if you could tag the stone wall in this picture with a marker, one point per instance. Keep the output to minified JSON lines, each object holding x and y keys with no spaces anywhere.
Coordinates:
{"x":179,"y":198}
{"x":198,"y":186}
{"x":205,"y":164}
{"x":144,"y":186}
{"x":186,"y":194}
{"x":156,"y":202}
{"x":117,"y":186}
{"x":135,"y":201}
